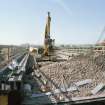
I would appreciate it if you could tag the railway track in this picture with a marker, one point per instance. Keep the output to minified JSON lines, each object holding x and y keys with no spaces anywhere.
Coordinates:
{"x":11,"y":75}
{"x":4,"y":63}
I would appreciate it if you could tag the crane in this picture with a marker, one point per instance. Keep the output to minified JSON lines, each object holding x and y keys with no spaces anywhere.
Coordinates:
{"x":100,"y":37}
{"x":48,"y":42}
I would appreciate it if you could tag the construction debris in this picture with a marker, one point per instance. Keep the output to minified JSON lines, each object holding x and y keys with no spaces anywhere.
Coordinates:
{"x":71,"y":89}
{"x":83,"y":82}
{"x":86,"y":72}
{"x":98,"y":88}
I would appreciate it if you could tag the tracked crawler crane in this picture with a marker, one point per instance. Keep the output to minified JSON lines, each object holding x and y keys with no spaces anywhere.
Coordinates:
{"x":48,"y":42}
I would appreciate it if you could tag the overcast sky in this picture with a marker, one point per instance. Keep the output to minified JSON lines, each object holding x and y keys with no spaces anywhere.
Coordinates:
{"x":73,"y":21}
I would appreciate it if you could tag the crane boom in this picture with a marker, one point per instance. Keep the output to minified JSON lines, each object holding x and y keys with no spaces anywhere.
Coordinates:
{"x":47,"y":28}
{"x":48,"y":42}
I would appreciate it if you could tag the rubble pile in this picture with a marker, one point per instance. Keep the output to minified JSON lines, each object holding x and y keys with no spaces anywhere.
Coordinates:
{"x":77,"y":69}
